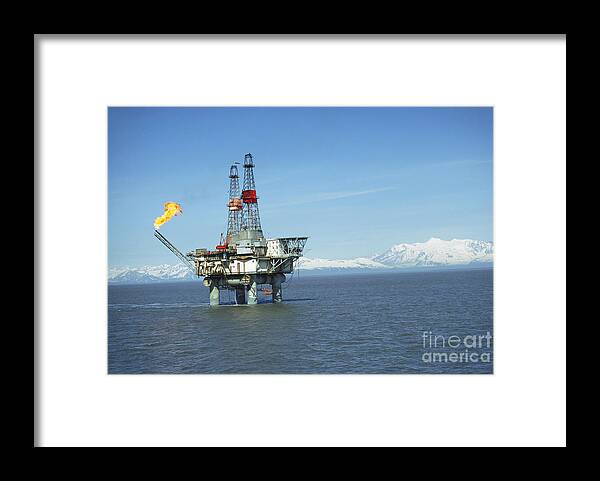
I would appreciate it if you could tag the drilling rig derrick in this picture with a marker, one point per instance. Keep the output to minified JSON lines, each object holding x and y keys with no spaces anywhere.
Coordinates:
{"x":234,"y":204}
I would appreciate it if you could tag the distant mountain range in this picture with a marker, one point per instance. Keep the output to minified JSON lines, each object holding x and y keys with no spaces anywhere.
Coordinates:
{"x":437,"y":252}
{"x":164,"y":272}
{"x":433,"y":253}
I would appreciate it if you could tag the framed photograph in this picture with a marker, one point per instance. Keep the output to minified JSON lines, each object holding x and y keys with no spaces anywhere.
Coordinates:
{"x":255,"y":240}
{"x":360,"y":241}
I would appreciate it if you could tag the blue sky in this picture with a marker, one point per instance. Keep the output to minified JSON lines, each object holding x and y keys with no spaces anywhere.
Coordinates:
{"x":356,"y":180}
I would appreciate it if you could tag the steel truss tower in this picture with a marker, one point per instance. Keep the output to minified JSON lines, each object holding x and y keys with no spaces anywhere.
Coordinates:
{"x":250,"y":216}
{"x":234,"y":204}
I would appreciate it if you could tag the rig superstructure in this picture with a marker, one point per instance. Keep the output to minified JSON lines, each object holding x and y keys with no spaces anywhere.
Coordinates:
{"x":244,"y":259}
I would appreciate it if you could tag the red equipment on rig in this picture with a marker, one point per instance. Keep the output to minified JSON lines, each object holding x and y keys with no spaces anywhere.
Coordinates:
{"x":222,"y":245}
{"x":249,"y":196}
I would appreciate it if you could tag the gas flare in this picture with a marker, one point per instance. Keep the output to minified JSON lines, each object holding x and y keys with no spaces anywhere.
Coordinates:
{"x":171,"y":209}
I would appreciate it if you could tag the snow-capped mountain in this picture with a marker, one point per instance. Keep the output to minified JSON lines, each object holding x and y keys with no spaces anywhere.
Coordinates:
{"x":163,"y":272}
{"x":358,"y":263}
{"x":433,"y":253}
{"x":437,"y":252}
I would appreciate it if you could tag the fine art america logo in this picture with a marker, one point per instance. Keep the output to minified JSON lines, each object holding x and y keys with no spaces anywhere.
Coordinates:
{"x":473,"y":348}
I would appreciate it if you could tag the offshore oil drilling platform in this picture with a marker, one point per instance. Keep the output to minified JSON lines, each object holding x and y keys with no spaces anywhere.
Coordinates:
{"x":244,"y":259}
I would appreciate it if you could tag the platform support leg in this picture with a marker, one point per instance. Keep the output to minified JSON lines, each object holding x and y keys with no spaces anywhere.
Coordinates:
{"x":253,"y":293}
{"x":214,"y":294}
{"x":276,"y":287}
{"x":240,"y":295}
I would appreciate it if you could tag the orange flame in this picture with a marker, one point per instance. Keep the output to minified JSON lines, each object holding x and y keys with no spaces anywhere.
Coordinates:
{"x":171,"y":209}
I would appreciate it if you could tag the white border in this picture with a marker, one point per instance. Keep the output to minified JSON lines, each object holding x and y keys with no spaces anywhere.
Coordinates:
{"x":523,"y":403}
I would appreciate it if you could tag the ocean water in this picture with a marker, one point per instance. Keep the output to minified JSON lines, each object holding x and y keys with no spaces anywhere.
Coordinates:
{"x":397,"y":322}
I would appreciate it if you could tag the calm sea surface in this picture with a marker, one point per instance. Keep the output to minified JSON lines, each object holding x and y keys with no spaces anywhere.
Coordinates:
{"x":400,"y":322}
